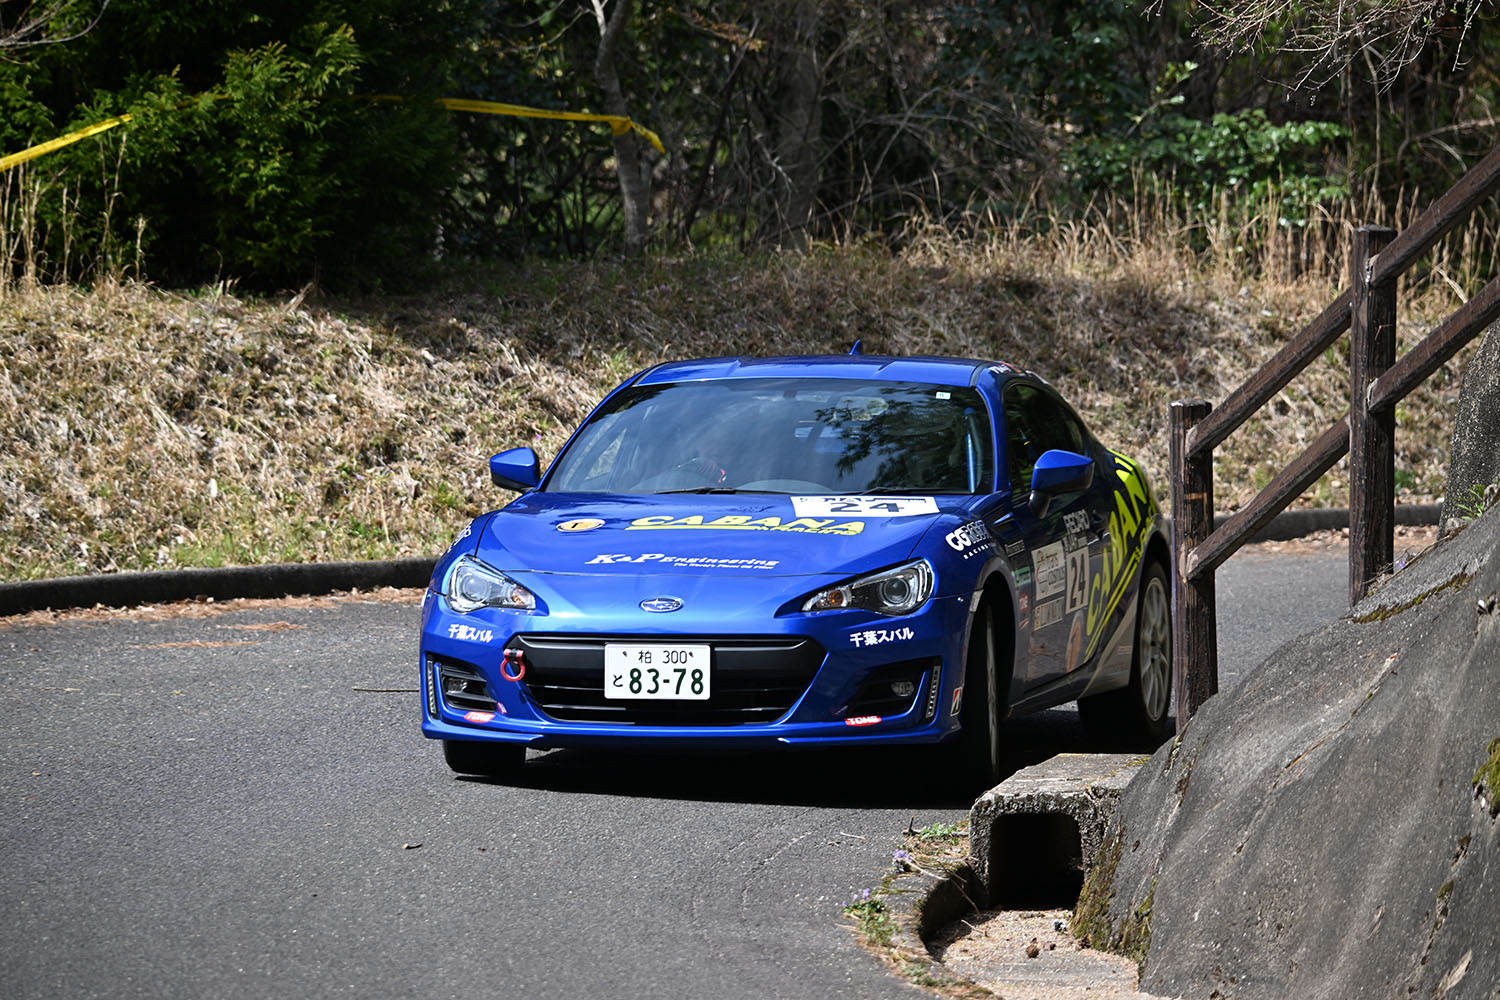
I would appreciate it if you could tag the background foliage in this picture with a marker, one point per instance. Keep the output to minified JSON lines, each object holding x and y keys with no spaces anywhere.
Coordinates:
{"x":257,"y":154}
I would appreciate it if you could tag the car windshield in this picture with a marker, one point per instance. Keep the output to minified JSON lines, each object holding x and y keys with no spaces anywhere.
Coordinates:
{"x":782,"y":435}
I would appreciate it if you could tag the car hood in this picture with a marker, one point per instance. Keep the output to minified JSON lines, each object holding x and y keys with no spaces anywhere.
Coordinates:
{"x":710,"y":534}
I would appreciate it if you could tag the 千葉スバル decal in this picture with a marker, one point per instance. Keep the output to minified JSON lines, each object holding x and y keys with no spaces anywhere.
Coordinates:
{"x":469,"y":633}
{"x":863,"y":506}
{"x":744,"y":522}
{"x":1132,"y":517}
{"x":876,"y":637}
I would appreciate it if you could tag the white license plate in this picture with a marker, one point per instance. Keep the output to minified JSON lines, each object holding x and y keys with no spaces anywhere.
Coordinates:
{"x":656,"y":671}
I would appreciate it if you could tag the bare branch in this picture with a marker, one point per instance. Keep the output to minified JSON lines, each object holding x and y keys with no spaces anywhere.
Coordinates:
{"x":1386,"y":34}
{"x":32,"y":27}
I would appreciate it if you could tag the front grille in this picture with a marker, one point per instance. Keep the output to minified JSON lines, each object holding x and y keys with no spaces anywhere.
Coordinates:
{"x":463,"y":689}
{"x":890,"y":690}
{"x":752,"y":680}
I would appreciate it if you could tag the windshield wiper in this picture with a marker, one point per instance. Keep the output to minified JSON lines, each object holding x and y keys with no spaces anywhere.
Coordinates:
{"x":707,"y":489}
{"x":912,"y":490}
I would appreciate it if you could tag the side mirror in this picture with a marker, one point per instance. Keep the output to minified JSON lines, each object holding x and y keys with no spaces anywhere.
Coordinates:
{"x":517,"y":469}
{"x":1058,"y":473}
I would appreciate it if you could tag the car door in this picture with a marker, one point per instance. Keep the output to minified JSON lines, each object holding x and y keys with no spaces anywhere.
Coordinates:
{"x":1064,"y":546}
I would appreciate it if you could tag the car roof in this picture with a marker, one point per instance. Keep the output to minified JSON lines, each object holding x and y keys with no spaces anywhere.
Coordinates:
{"x":874,"y":368}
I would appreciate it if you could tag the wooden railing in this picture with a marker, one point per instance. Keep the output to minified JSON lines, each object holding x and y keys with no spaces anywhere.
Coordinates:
{"x":1377,"y":381}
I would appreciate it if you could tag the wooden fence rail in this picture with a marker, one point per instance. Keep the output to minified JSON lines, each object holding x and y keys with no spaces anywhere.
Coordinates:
{"x":1377,"y":381}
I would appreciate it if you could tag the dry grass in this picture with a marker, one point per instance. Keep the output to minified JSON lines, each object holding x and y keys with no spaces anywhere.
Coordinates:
{"x":148,"y":429}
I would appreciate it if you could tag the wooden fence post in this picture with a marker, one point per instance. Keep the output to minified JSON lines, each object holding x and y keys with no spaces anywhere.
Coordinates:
{"x":1372,"y":435}
{"x":1195,"y":639}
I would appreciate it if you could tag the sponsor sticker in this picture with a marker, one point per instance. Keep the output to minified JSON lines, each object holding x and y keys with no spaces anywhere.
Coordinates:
{"x":468,"y":530}
{"x":1076,"y":521}
{"x":682,"y":562}
{"x":1078,"y":579}
{"x":479,"y":717}
{"x":1023,"y":603}
{"x":861,"y":720}
{"x":970,"y":539}
{"x":1023,"y":576}
{"x":878,"y":506}
{"x":1075,"y":641}
{"x":743,"y":522}
{"x":468,"y":633}
{"x":958,"y":700}
{"x":879,"y":637}
{"x":581,"y":524}
{"x":1048,"y":614}
{"x":1051,"y":570}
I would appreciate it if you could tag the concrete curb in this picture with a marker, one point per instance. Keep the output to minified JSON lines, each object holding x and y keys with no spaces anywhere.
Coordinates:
{"x":286,"y":579}
{"x":939,"y":897}
{"x":153,"y":587}
{"x":1081,"y":790}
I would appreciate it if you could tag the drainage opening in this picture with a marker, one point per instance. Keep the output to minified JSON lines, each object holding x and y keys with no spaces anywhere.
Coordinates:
{"x":1036,"y":862}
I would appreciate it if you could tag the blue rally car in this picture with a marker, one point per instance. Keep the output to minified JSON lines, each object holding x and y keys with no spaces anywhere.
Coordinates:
{"x":845,"y":550}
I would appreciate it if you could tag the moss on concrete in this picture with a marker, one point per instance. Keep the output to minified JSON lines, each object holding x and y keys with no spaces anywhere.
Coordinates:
{"x":1381,"y":614}
{"x":1487,"y":779}
{"x":1091,"y":924}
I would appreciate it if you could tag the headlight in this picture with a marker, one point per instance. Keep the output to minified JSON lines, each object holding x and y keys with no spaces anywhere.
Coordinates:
{"x":891,"y":592}
{"x":473,"y":585}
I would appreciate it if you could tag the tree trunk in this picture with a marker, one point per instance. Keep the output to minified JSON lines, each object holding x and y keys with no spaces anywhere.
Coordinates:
{"x":631,"y":165}
{"x":799,"y":123}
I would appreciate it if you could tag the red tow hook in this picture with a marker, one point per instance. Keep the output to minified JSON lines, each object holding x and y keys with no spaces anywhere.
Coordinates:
{"x":514,"y":657}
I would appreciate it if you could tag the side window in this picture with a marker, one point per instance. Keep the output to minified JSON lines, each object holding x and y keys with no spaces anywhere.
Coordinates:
{"x":1037,"y":423}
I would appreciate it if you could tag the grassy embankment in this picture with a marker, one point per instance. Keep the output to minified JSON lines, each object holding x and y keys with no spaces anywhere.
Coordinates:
{"x":153,"y":429}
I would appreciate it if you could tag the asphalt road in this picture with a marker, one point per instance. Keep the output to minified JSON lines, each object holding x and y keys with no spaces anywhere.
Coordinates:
{"x":241,"y":806}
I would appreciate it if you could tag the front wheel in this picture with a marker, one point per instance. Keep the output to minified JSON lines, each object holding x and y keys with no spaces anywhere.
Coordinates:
{"x":1140,"y":711}
{"x":979,"y":752}
{"x":486,"y":759}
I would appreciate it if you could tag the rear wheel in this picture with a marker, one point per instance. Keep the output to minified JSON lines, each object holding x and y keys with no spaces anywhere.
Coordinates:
{"x":481,"y":757}
{"x":1139,"y":712}
{"x":979,"y":750}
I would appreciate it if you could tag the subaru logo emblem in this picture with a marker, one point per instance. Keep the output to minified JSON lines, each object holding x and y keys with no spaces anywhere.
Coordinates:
{"x":661,"y":604}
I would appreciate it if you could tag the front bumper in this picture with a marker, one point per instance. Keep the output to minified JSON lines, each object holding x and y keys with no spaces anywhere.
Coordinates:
{"x":847,"y":678}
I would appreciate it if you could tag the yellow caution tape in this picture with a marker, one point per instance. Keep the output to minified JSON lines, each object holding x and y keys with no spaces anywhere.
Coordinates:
{"x":618,"y":124}
{"x":15,"y":159}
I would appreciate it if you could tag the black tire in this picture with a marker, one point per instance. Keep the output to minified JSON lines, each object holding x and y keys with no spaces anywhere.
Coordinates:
{"x":486,"y":759}
{"x":980,"y":756}
{"x":1139,"y":713}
